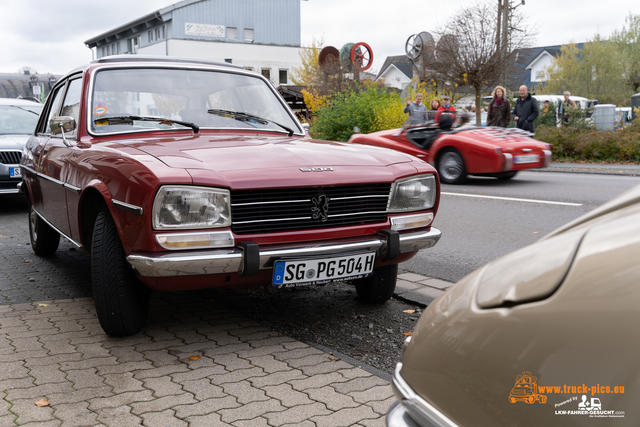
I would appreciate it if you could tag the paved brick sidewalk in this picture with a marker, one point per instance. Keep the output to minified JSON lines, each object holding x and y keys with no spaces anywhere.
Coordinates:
{"x":246,"y":375}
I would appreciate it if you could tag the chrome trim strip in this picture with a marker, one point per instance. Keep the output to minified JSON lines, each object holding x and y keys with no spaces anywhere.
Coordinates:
{"x":28,"y":169}
{"x":163,"y":264}
{"x":128,"y":207}
{"x":360,"y":197}
{"x":270,"y":203}
{"x":307,"y":200}
{"x":419,"y":409}
{"x":79,"y":245}
{"x":9,"y":191}
{"x":72,"y":188}
{"x":48,"y":178}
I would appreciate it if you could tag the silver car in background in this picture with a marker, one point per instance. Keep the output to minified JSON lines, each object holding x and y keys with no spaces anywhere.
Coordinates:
{"x":18,"y":118}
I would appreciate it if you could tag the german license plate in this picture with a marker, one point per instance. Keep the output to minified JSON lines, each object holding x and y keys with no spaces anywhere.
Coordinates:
{"x":529,"y":158}
{"x":15,"y":173}
{"x":323,"y":270}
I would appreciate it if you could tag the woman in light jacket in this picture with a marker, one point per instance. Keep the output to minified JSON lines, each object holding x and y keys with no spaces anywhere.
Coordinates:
{"x":499,"y":110}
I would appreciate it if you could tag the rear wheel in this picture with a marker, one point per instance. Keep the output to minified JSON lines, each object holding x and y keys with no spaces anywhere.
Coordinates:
{"x":379,"y":287}
{"x":451,"y":167}
{"x":44,"y":239}
{"x":122,"y":301}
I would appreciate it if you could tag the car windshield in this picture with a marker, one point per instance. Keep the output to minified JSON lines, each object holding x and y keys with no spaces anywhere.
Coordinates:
{"x":186,"y":96}
{"x":19,"y":119}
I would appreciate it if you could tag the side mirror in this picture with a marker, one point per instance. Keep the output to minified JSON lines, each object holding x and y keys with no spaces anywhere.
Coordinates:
{"x":306,"y":127}
{"x":61,"y":124}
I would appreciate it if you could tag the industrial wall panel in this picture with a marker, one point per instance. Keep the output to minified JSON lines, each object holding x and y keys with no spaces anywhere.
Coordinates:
{"x":274,"y":22}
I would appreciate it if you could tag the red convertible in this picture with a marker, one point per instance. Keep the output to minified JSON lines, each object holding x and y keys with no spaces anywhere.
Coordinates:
{"x":456,"y":153}
{"x":181,"y":174}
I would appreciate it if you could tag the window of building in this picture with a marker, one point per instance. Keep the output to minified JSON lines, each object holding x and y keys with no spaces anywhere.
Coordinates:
{"x":267,"y":73}
{"x":118,"y":47}
{"x":104,"y":51}
{"x":248,"y":68}
{"x":229,"y":61}
{"x":164,"y":35}
{"x":283,"y":74}
{"x":150,"y":33}
{"x":248,"y":34}
{"x":157,"y":33}
{"x":232,"y":33}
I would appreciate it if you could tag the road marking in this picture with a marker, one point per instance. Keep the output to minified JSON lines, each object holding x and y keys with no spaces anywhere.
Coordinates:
{"x":512,"y":199}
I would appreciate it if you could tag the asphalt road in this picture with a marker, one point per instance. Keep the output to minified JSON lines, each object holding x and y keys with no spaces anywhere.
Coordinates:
{"x":476,"y":230}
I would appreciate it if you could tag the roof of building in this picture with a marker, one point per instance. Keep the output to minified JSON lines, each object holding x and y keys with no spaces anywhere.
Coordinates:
{"x":525,"y":58}
{"x":401,"y":62}
{"x":20,"y":85}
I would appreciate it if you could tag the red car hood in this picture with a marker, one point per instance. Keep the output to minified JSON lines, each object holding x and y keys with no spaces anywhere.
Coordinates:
{"x":262,"y":152}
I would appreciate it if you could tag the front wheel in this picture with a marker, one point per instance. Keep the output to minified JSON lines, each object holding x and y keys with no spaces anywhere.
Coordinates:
{"x":378,"y":288}
{"x":122,"y":301}
{"x":451,"y":167}
{"x":44,"y":239}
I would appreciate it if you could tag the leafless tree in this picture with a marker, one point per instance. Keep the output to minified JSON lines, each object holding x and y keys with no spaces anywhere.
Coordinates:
{"x":469,"y":50}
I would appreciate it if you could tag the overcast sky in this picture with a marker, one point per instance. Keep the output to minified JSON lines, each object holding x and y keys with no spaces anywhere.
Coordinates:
{"x":49,"y":35}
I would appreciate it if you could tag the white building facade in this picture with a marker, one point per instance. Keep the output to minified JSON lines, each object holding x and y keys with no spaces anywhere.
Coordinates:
{"x":259,"y":35}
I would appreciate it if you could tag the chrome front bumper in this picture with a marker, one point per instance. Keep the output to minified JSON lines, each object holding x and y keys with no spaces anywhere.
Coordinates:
{"x":411,"y":410}
{"x":221,"y":261}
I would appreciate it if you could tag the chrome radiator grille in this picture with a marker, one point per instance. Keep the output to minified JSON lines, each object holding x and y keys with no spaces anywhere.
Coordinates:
{"x":10,"y":157}
{"x":265,"y":211}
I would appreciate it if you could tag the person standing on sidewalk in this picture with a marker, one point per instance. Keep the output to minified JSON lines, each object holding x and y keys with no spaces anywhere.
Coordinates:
{"x":499,"y":109}
{"x":448,"y":109}
{"x":417,"y":110}
{"x":525,"y":110}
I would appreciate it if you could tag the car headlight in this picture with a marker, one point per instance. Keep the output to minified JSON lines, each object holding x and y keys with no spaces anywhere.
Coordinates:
{"x":181,"y":206}
{"x":413,"y":194}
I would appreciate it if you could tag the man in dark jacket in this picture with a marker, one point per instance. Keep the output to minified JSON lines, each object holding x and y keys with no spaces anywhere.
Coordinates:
{"x":526,"y":110}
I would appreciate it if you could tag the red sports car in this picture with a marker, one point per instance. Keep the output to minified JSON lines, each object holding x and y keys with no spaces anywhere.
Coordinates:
{"x":183,"y":174}
{"x":456,"y":153}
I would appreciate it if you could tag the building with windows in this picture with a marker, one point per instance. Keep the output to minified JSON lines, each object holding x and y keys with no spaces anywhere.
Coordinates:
{"x":259,"y":35}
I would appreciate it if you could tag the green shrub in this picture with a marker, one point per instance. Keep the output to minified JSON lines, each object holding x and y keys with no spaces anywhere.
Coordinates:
{"x":370,"y":108}
{"x":590,"y":145}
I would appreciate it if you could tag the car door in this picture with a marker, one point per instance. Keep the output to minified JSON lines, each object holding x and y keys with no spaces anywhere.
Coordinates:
{"x":53,"y":167}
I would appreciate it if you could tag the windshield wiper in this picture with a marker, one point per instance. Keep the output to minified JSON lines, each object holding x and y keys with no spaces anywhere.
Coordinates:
{"x":246,"y":117}
{"x":114,"y":120}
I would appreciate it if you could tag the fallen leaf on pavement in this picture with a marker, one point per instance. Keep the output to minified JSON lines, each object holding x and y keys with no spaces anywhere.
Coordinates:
{"x":43,"y":402}
{"x":194,"y":357}
{"x":407,"y":334}
{"x":535,"y":232}
{"x":409,"y":311}
{"x":27,"y":260}
{"x":333,"y":358}
{"x":44,"y":305}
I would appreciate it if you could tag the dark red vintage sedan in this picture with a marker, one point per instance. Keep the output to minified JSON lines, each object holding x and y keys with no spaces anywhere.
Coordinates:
{"x":458,"y":152}
{"x":181,"y":174}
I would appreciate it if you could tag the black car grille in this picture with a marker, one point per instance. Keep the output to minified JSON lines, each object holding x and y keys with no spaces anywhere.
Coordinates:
{"x":264,"y":211}
{"x":10,"y":157}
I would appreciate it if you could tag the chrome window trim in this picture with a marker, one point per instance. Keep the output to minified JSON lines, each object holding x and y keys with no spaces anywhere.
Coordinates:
{"x":419,"y":409}
{"x":155,"y":65}
{"x":79,"y":245}
{"x":127,"y":207}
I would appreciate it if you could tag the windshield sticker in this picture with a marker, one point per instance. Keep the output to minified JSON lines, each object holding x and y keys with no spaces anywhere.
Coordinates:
{"x":575,"y":400}
{"x":101,"y":109}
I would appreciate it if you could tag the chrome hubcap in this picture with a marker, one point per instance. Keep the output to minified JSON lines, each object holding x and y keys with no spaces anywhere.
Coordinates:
{"x":450,"y":166}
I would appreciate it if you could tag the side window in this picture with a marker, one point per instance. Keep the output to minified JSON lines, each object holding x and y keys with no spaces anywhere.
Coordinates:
{"x":53,"y":109}
{"x":71,"y":104}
